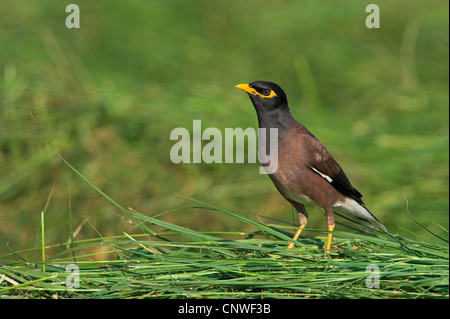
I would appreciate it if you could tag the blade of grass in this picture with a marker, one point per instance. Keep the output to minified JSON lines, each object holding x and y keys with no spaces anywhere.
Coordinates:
{"x":28,"y":283}
{"x":43,"y":241}
{"x":71,"y":227}
{"x":43,"y":228}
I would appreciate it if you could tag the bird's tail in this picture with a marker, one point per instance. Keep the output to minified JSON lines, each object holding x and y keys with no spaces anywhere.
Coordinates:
{"x":358,"y":213}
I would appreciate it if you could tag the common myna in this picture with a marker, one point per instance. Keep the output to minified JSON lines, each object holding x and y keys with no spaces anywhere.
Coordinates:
{"x":306,"y":174}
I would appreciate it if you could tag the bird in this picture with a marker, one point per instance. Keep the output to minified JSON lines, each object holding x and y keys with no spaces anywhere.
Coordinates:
{"x":307,"y":174}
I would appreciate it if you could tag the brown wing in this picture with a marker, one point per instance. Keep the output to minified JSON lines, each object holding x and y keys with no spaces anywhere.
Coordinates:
{"x":322,"y":163}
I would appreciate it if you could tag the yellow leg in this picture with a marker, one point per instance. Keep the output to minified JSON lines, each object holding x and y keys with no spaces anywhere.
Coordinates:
{"x":330,"y":236}
{"x":299,"y":230}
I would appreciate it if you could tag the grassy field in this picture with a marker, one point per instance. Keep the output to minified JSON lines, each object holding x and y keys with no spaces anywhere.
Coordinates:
{"x":107,"y":95}
{"x":177,"y":262}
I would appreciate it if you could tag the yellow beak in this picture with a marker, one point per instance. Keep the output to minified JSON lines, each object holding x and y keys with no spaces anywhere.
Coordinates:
{"x":245,"y":87}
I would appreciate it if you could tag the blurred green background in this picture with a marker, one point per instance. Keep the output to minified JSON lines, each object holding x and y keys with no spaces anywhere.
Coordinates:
{"x":107,"y":96}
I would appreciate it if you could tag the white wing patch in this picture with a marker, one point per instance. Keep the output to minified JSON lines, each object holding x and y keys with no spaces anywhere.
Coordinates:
{"x":328,"y":178}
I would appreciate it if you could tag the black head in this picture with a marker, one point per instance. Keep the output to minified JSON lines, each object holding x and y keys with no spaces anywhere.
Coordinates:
{"x":268,"y":98}
{"x":266,"y":94}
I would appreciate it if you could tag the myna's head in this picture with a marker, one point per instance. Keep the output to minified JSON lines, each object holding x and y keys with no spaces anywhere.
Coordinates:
{"x":266,"y":96}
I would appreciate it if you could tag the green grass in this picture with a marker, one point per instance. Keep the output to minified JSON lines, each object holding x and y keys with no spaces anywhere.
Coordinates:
{"x":178,"y":262}
{"x":251,"y":265}
{"x":107,"y":96}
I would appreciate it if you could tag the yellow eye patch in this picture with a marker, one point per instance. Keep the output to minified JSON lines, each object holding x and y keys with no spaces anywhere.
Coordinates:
{"x":247,"y":88}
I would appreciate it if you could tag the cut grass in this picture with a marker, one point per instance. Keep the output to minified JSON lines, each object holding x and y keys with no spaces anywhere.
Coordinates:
{"x":210,"y":265}
{"x":178,"y":262}
{"x":109,"y":100}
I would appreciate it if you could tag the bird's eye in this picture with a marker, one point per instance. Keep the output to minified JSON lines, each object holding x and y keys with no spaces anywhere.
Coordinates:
{"x":266,"y":91}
